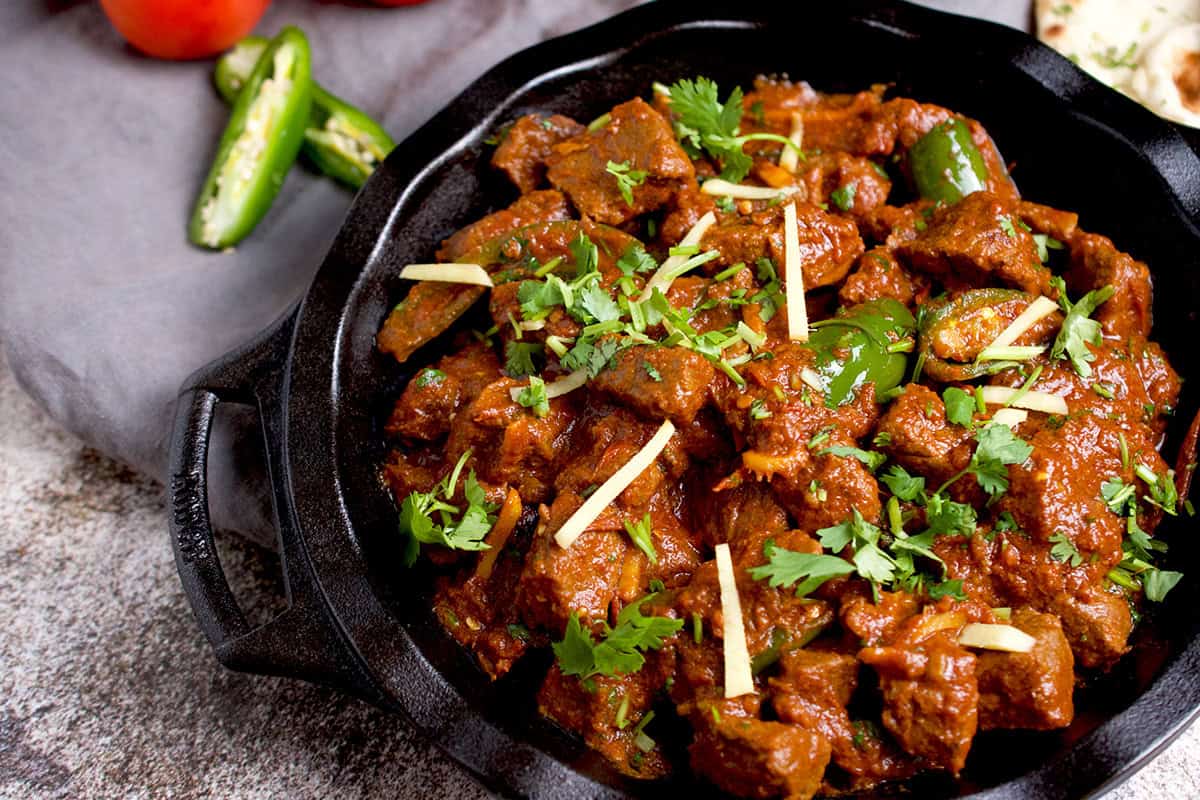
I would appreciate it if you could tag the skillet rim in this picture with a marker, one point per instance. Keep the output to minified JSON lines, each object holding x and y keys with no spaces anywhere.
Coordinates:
{"x":403,"y":678}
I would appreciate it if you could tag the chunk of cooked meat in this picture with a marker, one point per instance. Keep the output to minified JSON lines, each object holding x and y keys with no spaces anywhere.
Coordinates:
{"x":754,"y":758}
{"x":977,"y":242}
{"x":436,"y":394}
{"x":677,"y":389}
{"x":930,"y":699}
{"x":522,"y":153}
{"x":829,"y":244}
{"x":636,"y":136}
{"x":1028,"y":690}
{"x":528,"y":209}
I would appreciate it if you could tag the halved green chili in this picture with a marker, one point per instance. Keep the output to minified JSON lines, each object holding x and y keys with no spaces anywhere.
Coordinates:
{"x":259,"y":145}
{"x":940,"y":320}
{"x":340,"y":140}
{"x":945,"y":163}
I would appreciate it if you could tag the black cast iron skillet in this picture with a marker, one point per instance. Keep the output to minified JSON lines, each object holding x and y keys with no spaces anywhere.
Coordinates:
{"x":357,"y":620}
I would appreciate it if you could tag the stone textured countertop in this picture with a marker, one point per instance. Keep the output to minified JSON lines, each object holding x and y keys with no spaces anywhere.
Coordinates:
{"x":108,"y":688}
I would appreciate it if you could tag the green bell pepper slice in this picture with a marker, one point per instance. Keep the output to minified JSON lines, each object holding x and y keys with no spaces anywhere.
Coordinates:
{"x":259,"y":145}
{"x":945,"y":164}
{"x":940,"y":319}
{"x":863,"y":344}
{"x":340,"y":140}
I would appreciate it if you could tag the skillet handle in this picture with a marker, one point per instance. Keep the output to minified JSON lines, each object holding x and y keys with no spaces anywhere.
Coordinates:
{"x":303,"y":641}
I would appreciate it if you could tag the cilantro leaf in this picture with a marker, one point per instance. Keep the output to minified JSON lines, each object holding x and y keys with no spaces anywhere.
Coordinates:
{"x":429,"y":518}
{"x":960,"y":407}
{"x":903,"y":485}
{"x":594,"y":356}
{"x":948,"y":518}
{"x":597,"y":305}
{"x":787,"y":567}
{"x":1006,"y":225}
{"x":536,"y":297}
{"x":654,"y":374}
{"x":636,"y":260}
{"x":626,"y":179}
{"x":429,"y":377}
{"x":1064,"y":550}
{"x":997,"y":447}
{"x":703,"y":122}
{"x":843,"y":196}
{"x":869,"y":560}
{"x":870,"y":458}
{"x":947,"y":588}
{"x":518,"y":358}
{"x":1157,"y":582}
{"x":534,"y":397}
{"x":640,"y":532}
{"x":618,"y":652}
{"x":585,"y":253}
{"x":1078,"y":330}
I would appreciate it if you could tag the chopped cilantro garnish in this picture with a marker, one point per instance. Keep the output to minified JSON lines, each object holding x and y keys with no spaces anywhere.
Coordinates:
{"x":654,"y":374}
{"x":626,"y":179}
{"x":1064,"y":550}
{"x":960,"y":407}
{"x":997,"y":447}
{"x":870,"y":458}
{"x":428,"y":517}
{"x":617,"y":653}
{"x":1006,"y":225}
{"x":947,"y":588}
{"x":429,"y":377}
{"x":640,"y":532}
{"x":808,"y":570}
{"x":903,"y":485}
{"x":1078,"y":331}
{"x":704,"y":123}
{"x":636,"y":260}
{"x":843,"y":196}
{"x":534,"y":397}
{"x":518,"y":358}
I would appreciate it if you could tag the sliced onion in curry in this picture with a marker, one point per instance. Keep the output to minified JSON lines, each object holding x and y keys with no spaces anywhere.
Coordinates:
{"x":789,"y":159}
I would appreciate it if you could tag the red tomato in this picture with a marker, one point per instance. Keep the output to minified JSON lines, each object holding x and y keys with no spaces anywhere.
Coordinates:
{"x":180,"y":29}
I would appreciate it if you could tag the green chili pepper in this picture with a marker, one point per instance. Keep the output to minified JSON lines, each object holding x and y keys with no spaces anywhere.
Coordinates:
{"x":937,"y":322}
{"x":340,"y":140}
{"x":946,"y":165}
{"x":259,"y":145}
{"x":864,"y":344}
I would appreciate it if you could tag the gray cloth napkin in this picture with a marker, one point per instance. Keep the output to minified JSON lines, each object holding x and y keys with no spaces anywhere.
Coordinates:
{"x":104,"y":307}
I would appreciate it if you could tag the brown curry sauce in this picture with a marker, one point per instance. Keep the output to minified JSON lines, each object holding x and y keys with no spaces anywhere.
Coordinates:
{"x":879,"y":689}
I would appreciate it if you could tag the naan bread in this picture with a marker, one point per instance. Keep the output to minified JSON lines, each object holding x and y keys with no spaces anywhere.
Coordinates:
{"x":1148,"y":49}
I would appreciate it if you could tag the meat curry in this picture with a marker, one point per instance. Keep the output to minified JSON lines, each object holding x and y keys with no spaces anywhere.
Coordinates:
{"x":794,"y":419}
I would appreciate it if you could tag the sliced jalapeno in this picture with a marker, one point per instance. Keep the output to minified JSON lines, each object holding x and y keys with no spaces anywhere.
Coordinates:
{"x":259,"y":145}
{"x":953,"y":325}
{"x":945,"y":163}
{"x":865,"y":344}
{"x":340,"y":140}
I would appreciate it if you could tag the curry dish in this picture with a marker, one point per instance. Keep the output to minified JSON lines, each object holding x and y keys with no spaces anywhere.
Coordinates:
{"x":793,"y":419}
